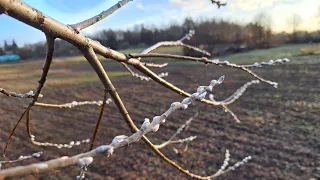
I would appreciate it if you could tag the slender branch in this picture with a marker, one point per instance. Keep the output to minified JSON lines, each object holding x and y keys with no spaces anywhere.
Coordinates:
{"x":98,"y":121}
{"x":19,"y":95}
{"x":91,"y":21}
{"x":235,"y":117}
{"x":46,"y":67}
{"x":206,"y":61}
{"x":179,"y":130}
{"x":223,"y":169}
{"x":141,"y":77}
{"x":235,"y":95}
{"x":49,"y":144}
{"x":95,"y":63}
{"x":269,"y":63}
{"x":72,"y":104}
{"x":117,"y":142}
{"x":21,"y":158}
{"x":176,"y":43}
{"x":154,"y":65}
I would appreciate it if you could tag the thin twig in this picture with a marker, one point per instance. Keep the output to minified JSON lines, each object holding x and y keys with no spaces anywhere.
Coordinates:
{"x":141,"y":77}
{"x":19,"y":95}
{"x":98,"y":121}
{"x":46,"y":67}
{"x":91,"y":21}
{"x":117,"y":142}
{"x":203,"y":60}
{"x":176,"y":43}
{"x":72,"y":104}
{"x":179,"y":130}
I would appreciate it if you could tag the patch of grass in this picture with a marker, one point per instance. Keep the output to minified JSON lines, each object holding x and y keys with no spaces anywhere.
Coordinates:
{"x":290,"y":51}
{"x":79,"y":78}
{"x":310,"y":50}
{"x":302,"y":104}
{"x":64,"y":77}
{"x":131,"y":50}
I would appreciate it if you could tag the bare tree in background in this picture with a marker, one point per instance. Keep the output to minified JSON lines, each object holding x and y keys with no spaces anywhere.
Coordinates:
{"x":132,"y":62}
{"x":294,"y":21}
{"x":263,"y":24}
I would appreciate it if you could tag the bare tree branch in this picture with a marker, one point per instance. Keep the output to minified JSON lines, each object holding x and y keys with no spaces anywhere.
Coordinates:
{"x":54,"y":29}
{"x":176,"y":43}
{"x":89,"y":22}
{"x":21,"y":158}
{"x":141,"y":77}
{"x":180,"y":129}
{"x":72,"y":104}
{"x":119,"y":141}
{"x":205,"y":61}
{"x":98,"y":121}
{"x":46,"y":67}
{"x":19,"y":95}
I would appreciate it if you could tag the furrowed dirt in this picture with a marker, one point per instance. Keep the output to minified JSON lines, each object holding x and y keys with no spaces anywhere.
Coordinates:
{"x":279,"y":127}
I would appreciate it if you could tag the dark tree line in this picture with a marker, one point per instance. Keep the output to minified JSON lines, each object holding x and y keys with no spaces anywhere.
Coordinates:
{"x":216,"y":36}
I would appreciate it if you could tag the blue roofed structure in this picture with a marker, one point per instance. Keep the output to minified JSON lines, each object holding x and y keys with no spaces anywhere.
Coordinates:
{"x":9,"y":57}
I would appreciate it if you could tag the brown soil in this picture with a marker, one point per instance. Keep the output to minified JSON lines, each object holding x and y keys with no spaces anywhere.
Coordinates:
{"x":277,"y":130}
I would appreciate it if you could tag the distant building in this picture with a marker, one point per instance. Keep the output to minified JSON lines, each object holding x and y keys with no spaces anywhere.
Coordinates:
{"x":9,"y":57}
{"x":10,"y":52}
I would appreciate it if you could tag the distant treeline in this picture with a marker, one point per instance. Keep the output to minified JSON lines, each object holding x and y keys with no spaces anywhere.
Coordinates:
{"x":216,"y":36}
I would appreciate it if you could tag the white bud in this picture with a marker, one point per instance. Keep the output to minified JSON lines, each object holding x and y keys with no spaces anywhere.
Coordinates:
{"x":30,"y":93}
{"x":156,"y":119}
{"x":185,"y":101}
{"x":84,"y":161}
{"x":155,"y":128}
{"x":119,"y":138}
{"x":213,"y":82}
{"x":183,"y":106}
{"x":202,"y":96}
{"x":175,"y":105}
{"x":145,"y":124}
{"x":201,"y":88}
{"x":209,"y":88}
{"x":194,"y":95}
{"x":221,"y":79}
{"x":211,"y":97}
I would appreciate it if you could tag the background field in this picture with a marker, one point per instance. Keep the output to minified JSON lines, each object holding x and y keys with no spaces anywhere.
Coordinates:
{"x":279,"y":129}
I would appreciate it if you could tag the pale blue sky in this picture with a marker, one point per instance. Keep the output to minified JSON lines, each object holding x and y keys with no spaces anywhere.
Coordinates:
{"x":159,"y":13}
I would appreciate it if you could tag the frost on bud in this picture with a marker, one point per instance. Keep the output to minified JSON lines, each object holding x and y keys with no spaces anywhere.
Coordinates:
{"x":257,"y":64}
{"x":119,"y":139}
{"x":30,"y":93}
{"x":38,"y":154}
{"x":202,"y":96}
{"x":221,"y":79}
{"x":286,"y":60}
{"x":175,"y":105}
{"x":110,"y":151}
{"x":209,"y":88}
{"x":84,"y":161}
{"x":185,"y":101}
{"x":201,"y":88}
{"x":194,"y":95}
{"x":213,"y":82}
{"x":156,"y":128}
{"x":145,"y":124}
{"x":270,"y":62}
{"x":183,"y":106}
{"x":211,"y":97}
